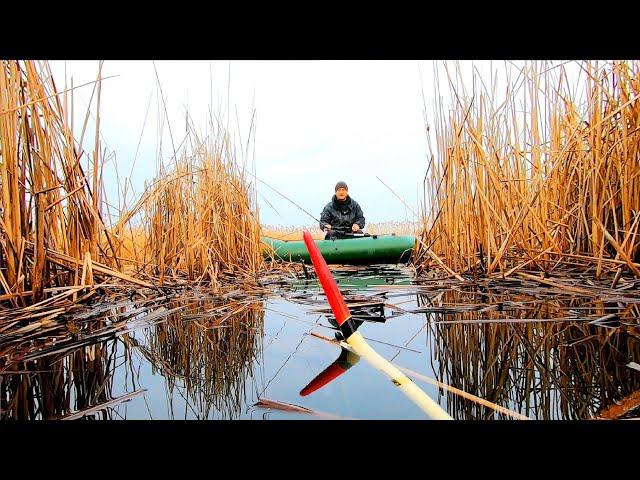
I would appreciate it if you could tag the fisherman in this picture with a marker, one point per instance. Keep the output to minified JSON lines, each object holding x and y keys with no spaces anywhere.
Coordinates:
{"x":342,"y":214}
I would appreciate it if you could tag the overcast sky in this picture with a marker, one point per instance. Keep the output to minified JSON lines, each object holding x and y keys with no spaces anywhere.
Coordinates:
{"x":316,"y":122}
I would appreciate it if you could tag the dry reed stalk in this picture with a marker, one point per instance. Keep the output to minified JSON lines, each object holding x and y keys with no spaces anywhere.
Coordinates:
{"x":198,"y":219}
{"x":558,"y":177}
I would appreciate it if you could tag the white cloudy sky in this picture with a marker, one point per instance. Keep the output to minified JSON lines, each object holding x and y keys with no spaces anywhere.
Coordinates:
{"x":317,"y":122}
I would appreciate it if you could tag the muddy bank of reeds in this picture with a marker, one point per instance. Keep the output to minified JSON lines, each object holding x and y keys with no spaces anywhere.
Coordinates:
{"x":541,"y":179}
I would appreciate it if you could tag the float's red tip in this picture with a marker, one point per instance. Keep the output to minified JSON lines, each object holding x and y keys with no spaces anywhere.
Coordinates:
{"x":329,"y":285}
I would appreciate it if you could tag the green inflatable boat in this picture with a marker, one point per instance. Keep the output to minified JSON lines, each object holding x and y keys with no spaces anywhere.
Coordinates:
{"x":357,"y":250}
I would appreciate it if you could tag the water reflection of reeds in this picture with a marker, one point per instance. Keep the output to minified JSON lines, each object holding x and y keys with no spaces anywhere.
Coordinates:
{"x":57,"y":387}
{"x":205,"y":351}
{"x":206,"y":354}
{"x":546,"y":360}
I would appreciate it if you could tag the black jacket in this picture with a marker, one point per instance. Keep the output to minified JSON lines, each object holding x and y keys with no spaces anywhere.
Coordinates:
{"x":342,"y":215}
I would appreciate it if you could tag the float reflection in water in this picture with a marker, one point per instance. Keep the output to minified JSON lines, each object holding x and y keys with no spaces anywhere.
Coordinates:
{"x":344,"y":362}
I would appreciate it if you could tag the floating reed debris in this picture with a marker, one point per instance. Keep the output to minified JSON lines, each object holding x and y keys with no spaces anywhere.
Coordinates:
{"x":537,"y":180}
{"x":265,"y":403}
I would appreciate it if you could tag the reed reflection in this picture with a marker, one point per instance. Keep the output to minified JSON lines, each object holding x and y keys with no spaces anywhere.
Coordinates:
{"x":207,"y":353}
{"x":560,"y":359}
{"x":60,"y":386}
{"x":66,"y":370}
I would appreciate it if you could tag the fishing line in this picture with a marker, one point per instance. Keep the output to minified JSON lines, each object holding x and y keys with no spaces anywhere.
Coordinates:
{"x":282,"y":195}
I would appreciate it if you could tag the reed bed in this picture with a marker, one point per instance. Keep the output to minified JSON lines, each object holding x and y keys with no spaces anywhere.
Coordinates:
{"x":539,"y":179}
{"x":196,"y":222}
{"x":199,"y":218}
{"x":51,"y":224}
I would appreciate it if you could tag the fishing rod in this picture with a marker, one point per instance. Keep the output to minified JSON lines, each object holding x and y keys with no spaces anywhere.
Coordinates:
{"x":345,"y":232}
{"x":348,"y":327}
{"x":283,"y":196}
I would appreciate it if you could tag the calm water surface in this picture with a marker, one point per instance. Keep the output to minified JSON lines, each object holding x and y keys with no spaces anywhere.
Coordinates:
{"x":251,"y":359}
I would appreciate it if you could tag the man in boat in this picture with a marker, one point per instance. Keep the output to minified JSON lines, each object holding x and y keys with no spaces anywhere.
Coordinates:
{"x":342,"y":214}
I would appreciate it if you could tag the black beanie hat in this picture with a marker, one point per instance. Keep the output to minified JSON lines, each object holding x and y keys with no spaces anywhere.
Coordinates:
{"x":341,"y":184}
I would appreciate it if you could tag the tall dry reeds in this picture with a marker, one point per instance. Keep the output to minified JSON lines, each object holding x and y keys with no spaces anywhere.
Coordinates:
{"x":50,"y":193}
{"x":540,"y":177}
{"x":199,"y":218}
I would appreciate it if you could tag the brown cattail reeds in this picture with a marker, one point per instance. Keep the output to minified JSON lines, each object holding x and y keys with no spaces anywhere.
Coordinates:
{"x":197,"y":221}
{"x":538,"y":178}
{"x":49,"y":192}
{"x":198,"y":218}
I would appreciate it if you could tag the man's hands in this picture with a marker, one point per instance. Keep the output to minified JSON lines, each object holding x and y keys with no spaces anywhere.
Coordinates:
{"x":354,"y":228}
